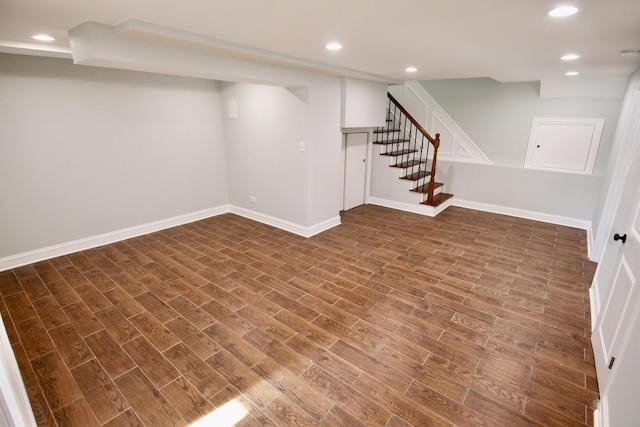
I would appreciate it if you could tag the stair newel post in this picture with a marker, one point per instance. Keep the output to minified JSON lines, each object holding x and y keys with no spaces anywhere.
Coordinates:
{"x":432,"y":181}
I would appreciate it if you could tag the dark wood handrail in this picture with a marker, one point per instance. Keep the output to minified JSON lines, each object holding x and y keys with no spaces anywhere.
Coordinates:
{"x":415,"y":123}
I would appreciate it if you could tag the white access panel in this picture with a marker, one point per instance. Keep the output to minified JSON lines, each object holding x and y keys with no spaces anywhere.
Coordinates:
{"x":564,"y":145}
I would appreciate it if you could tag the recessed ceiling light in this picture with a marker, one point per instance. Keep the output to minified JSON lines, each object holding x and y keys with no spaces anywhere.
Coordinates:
{"x":43,"y":38}
{"x":411,"y":69}
{"x":561,"y":11}
{"x":570,"y":57}
{"x":334,"y":46}
{"x":571,"y":73}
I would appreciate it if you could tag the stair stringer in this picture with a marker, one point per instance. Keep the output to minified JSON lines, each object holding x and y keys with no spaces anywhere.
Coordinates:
{"x":455,"y":144}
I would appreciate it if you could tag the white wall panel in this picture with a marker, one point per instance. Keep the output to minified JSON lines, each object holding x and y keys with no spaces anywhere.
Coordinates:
{"x":86,"y":151}
{"x":363,"y":103}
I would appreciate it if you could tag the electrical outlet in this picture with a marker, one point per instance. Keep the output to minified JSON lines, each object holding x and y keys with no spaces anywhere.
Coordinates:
{"x":252,"y":199}
{"x":302,"y":146}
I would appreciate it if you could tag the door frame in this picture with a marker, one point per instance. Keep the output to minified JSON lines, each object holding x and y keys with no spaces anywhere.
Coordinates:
{"x":367,"y":179}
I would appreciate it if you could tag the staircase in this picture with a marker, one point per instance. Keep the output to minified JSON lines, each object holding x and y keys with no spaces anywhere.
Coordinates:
{"x":413,"y":151}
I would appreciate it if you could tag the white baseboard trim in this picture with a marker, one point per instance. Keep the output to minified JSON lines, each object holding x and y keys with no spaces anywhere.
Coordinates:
{"x":37,"y":255}
{"x":287,"y":225}
{"x":410,"y":207}
{"x":533,"y":215}
{"x":526,"y":214}
{"x":485,"y":207}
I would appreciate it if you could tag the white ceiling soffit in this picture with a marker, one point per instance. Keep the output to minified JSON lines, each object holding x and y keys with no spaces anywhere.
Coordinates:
{"x":144,"y":46}
{"x":36,"y":49}
{"x":165,"y":34}
{"x":507,"y":40}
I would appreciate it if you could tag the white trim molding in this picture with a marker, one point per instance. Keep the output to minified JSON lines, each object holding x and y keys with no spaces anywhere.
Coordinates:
{"x":37,"y":255}
{"x":416,"y":208}
{"x":533,"y":215}
{"x":289,"y":226}
{"x":524,"y":213}
{"x":485,"y":207}
{"x":455,"y":144}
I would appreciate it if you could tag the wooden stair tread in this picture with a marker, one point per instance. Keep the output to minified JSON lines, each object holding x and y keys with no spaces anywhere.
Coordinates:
{"x":424,"y":188}
{"x":398,"y":152}
{"x":391,"y":141}
{"x":394,"y":132}
{"x":416,"y":175}
{"x":438,"y":199}
{"x":408,"y":163}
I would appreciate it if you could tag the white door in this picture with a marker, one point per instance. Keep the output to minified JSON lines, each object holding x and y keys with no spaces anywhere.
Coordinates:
{"x":618,"y":332}
{"x":617,"y":325}
{"x":355,"y":171}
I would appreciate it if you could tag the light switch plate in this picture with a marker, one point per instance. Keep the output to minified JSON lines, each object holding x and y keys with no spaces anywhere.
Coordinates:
{"x":232,"y":108}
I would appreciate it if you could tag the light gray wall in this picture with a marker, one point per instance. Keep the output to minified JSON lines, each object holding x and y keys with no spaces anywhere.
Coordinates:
{"x":263,"y":149}
{"x":324,"y":145}
{"x":550,"y":193}
{"x":364,"y":103}
{"x":85,"y":151}
{"x":262,"y":146}
{"x":498,"y":116}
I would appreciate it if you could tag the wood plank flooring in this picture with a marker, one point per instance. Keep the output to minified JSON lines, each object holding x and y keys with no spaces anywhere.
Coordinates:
{"x":390,"y":319}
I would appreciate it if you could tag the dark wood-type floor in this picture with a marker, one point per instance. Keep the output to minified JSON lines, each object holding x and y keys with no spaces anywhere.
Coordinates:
{"x":391,"y":319}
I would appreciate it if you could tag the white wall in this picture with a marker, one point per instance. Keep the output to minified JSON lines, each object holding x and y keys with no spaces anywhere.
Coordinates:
{"x":85,"y":151}
{"x":262,"y":145}
{"x":364,"y":103}
{"x":325,"y":149}
{"x":498,"y":116}
{"x":554,"y":194}
{"x":278,"y":107}
{"x":263,"y":149}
